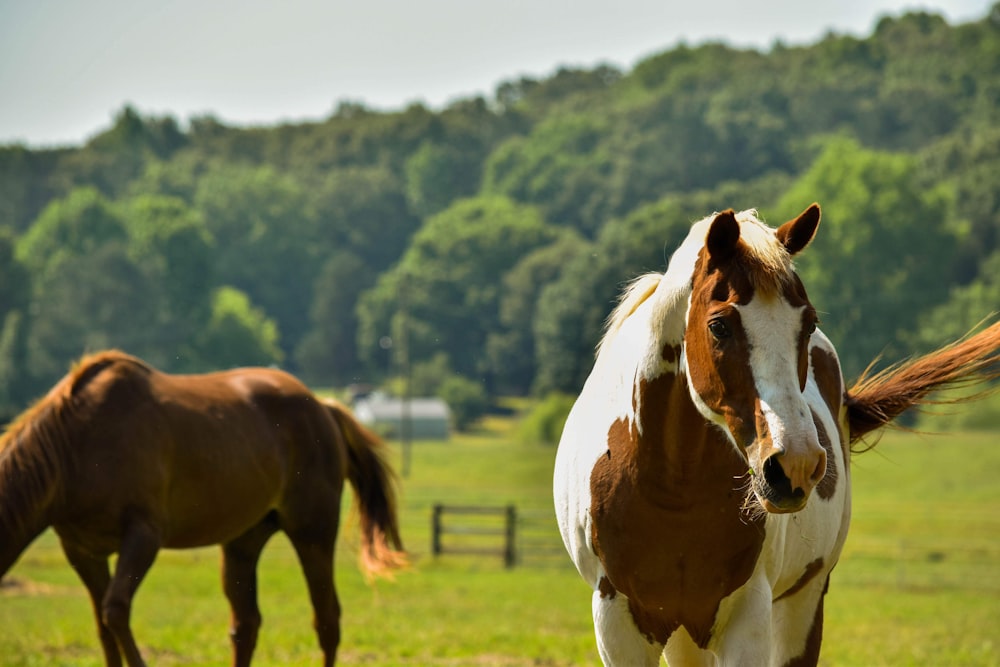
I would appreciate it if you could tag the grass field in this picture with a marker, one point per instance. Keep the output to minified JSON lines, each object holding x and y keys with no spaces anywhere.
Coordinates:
{"x":919,"y":583}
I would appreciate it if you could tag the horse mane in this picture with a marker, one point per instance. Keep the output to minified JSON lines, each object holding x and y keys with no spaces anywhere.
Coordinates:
{"x":31,"y":460}
{"x":763,"y":258}
{"x":635,"y":292}
{"x":35,"y":447}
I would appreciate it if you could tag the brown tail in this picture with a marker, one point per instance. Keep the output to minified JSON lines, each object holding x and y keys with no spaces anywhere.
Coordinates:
{"x":374,"y":486}
{"x":877,"y":399}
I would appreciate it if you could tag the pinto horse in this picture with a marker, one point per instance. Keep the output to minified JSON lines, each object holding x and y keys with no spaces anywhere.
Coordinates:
{"x":701,"y":484}
{"x":121,"y":458}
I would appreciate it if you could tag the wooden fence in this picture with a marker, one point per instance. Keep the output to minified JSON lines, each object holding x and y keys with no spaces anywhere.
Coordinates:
{"x":477,"y":532}
{"x":529,"y":537}
{"x":517,"y":536}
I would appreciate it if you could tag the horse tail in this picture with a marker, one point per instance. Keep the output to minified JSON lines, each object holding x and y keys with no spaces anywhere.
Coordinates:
{"x":878,"y":398}
{"x":374,"y":486}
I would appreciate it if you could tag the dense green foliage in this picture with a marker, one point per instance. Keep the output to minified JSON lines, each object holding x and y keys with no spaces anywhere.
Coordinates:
{"x":498,"y":232}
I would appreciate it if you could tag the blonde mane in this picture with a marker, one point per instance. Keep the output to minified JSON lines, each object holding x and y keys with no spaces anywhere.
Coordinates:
{"x":633,"y":295}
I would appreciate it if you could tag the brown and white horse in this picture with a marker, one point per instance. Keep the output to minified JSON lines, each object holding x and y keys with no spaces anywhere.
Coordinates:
{"x":702,"y":485}
{"x":121,"y":458}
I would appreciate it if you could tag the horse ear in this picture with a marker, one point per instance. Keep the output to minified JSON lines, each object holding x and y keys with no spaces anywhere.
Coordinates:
{"x":723,"y":235}
{"x":796,"y":234}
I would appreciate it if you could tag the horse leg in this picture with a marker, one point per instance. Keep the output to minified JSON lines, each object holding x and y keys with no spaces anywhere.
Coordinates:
{"x":315,"y":551}
{"x":619,"y":641}
{"x":798,"y":626}
{"x":139,"y":546}
{"x":96,"y":576}
{"x":239,"y":581}
{"x":742,"y":636}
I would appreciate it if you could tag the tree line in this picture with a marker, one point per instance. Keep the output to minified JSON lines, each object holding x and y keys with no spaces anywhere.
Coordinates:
{"x":480,"y":247}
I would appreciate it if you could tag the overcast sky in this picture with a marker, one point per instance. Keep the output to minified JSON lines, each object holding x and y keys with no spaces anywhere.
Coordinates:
{"x":67,"y":66}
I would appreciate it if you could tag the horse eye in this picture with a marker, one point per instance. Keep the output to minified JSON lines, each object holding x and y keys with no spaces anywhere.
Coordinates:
{"x":719,"y":329}
{"x":811,"y":327}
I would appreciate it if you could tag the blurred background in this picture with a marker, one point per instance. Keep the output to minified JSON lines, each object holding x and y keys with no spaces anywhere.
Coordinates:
{"x":449,"y":195}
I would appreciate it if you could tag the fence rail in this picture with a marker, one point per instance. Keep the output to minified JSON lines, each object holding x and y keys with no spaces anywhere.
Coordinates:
{"x":478,"y":521}
{"x":529,"y":537}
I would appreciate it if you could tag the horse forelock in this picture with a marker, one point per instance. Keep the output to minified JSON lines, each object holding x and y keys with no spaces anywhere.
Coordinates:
{"x":763,"y":259}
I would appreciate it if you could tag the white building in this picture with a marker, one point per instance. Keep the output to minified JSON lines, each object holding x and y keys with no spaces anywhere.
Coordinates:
{"x":430,"y":418}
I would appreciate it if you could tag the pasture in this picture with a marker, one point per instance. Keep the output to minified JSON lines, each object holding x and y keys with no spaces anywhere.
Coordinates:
{"x":919,"y":582}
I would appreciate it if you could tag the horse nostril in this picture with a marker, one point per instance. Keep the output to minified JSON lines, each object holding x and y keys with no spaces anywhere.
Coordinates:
{"x":776,"y":479}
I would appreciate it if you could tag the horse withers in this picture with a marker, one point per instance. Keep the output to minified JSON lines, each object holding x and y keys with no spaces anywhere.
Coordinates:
{"x":702,"y":483}
{"x":121,"y":458}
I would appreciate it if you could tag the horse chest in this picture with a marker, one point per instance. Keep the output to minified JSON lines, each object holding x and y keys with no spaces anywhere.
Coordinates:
{"x":674,"y":553}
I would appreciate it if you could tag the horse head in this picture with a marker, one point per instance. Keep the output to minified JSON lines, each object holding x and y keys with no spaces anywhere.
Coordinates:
{"x":746,"y":342}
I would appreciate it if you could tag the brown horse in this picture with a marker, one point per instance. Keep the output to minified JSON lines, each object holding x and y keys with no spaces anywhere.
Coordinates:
{"x":702,"y":483}
{"x":121,"y":458}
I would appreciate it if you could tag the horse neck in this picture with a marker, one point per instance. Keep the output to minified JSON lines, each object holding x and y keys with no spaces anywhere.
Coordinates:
{"x":679,"y":452}
{"x":27,"y":496}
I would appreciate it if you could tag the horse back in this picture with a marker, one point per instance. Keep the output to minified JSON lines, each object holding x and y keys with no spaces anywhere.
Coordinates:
{"x":204,"y":456}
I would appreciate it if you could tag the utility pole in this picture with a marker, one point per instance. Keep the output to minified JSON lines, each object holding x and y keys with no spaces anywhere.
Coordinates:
{"x":406,"y":418}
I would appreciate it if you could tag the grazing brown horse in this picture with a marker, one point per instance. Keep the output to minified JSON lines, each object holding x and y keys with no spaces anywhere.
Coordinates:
{"x":121,"y":458}
{"x":702,"y":484}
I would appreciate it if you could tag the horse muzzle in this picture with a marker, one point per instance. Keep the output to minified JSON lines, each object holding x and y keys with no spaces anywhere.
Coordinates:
{"x":783,"y":485}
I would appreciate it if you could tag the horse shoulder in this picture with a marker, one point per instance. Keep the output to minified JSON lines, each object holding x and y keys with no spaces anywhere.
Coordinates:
{"x":579,"y":449}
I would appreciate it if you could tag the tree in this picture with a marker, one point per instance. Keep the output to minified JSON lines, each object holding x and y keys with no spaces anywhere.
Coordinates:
{"x":238,"y":333}
{"x":363,"y":211}
{"x":15,"y":293}
{"x":15,"y":283}
{"x":113,"y":159}
{"x":327,"y":354}
{"x":436,"y":175}
{"x":966,"y":308}
{"x":68,"y":228}
{"x":467,"y":399}
{"x":15,"y":385}
{"x":511,"y":348}
{"x":87,"y":303}
{"x":170,"y":241}
{"x":880,"y":257}
{"x":267,"y":243}
{"x":563,"y":167}
{"x":444,"y":294}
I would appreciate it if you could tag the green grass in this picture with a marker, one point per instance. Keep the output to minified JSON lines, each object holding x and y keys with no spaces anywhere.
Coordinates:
{"x":919,"y":583}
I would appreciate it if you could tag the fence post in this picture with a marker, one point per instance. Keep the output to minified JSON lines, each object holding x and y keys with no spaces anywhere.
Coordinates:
{"x":510,"y":550}
{"x":436,"y":530}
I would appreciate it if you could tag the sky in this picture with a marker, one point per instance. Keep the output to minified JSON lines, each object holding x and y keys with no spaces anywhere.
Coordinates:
{"x":67,"y":67}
